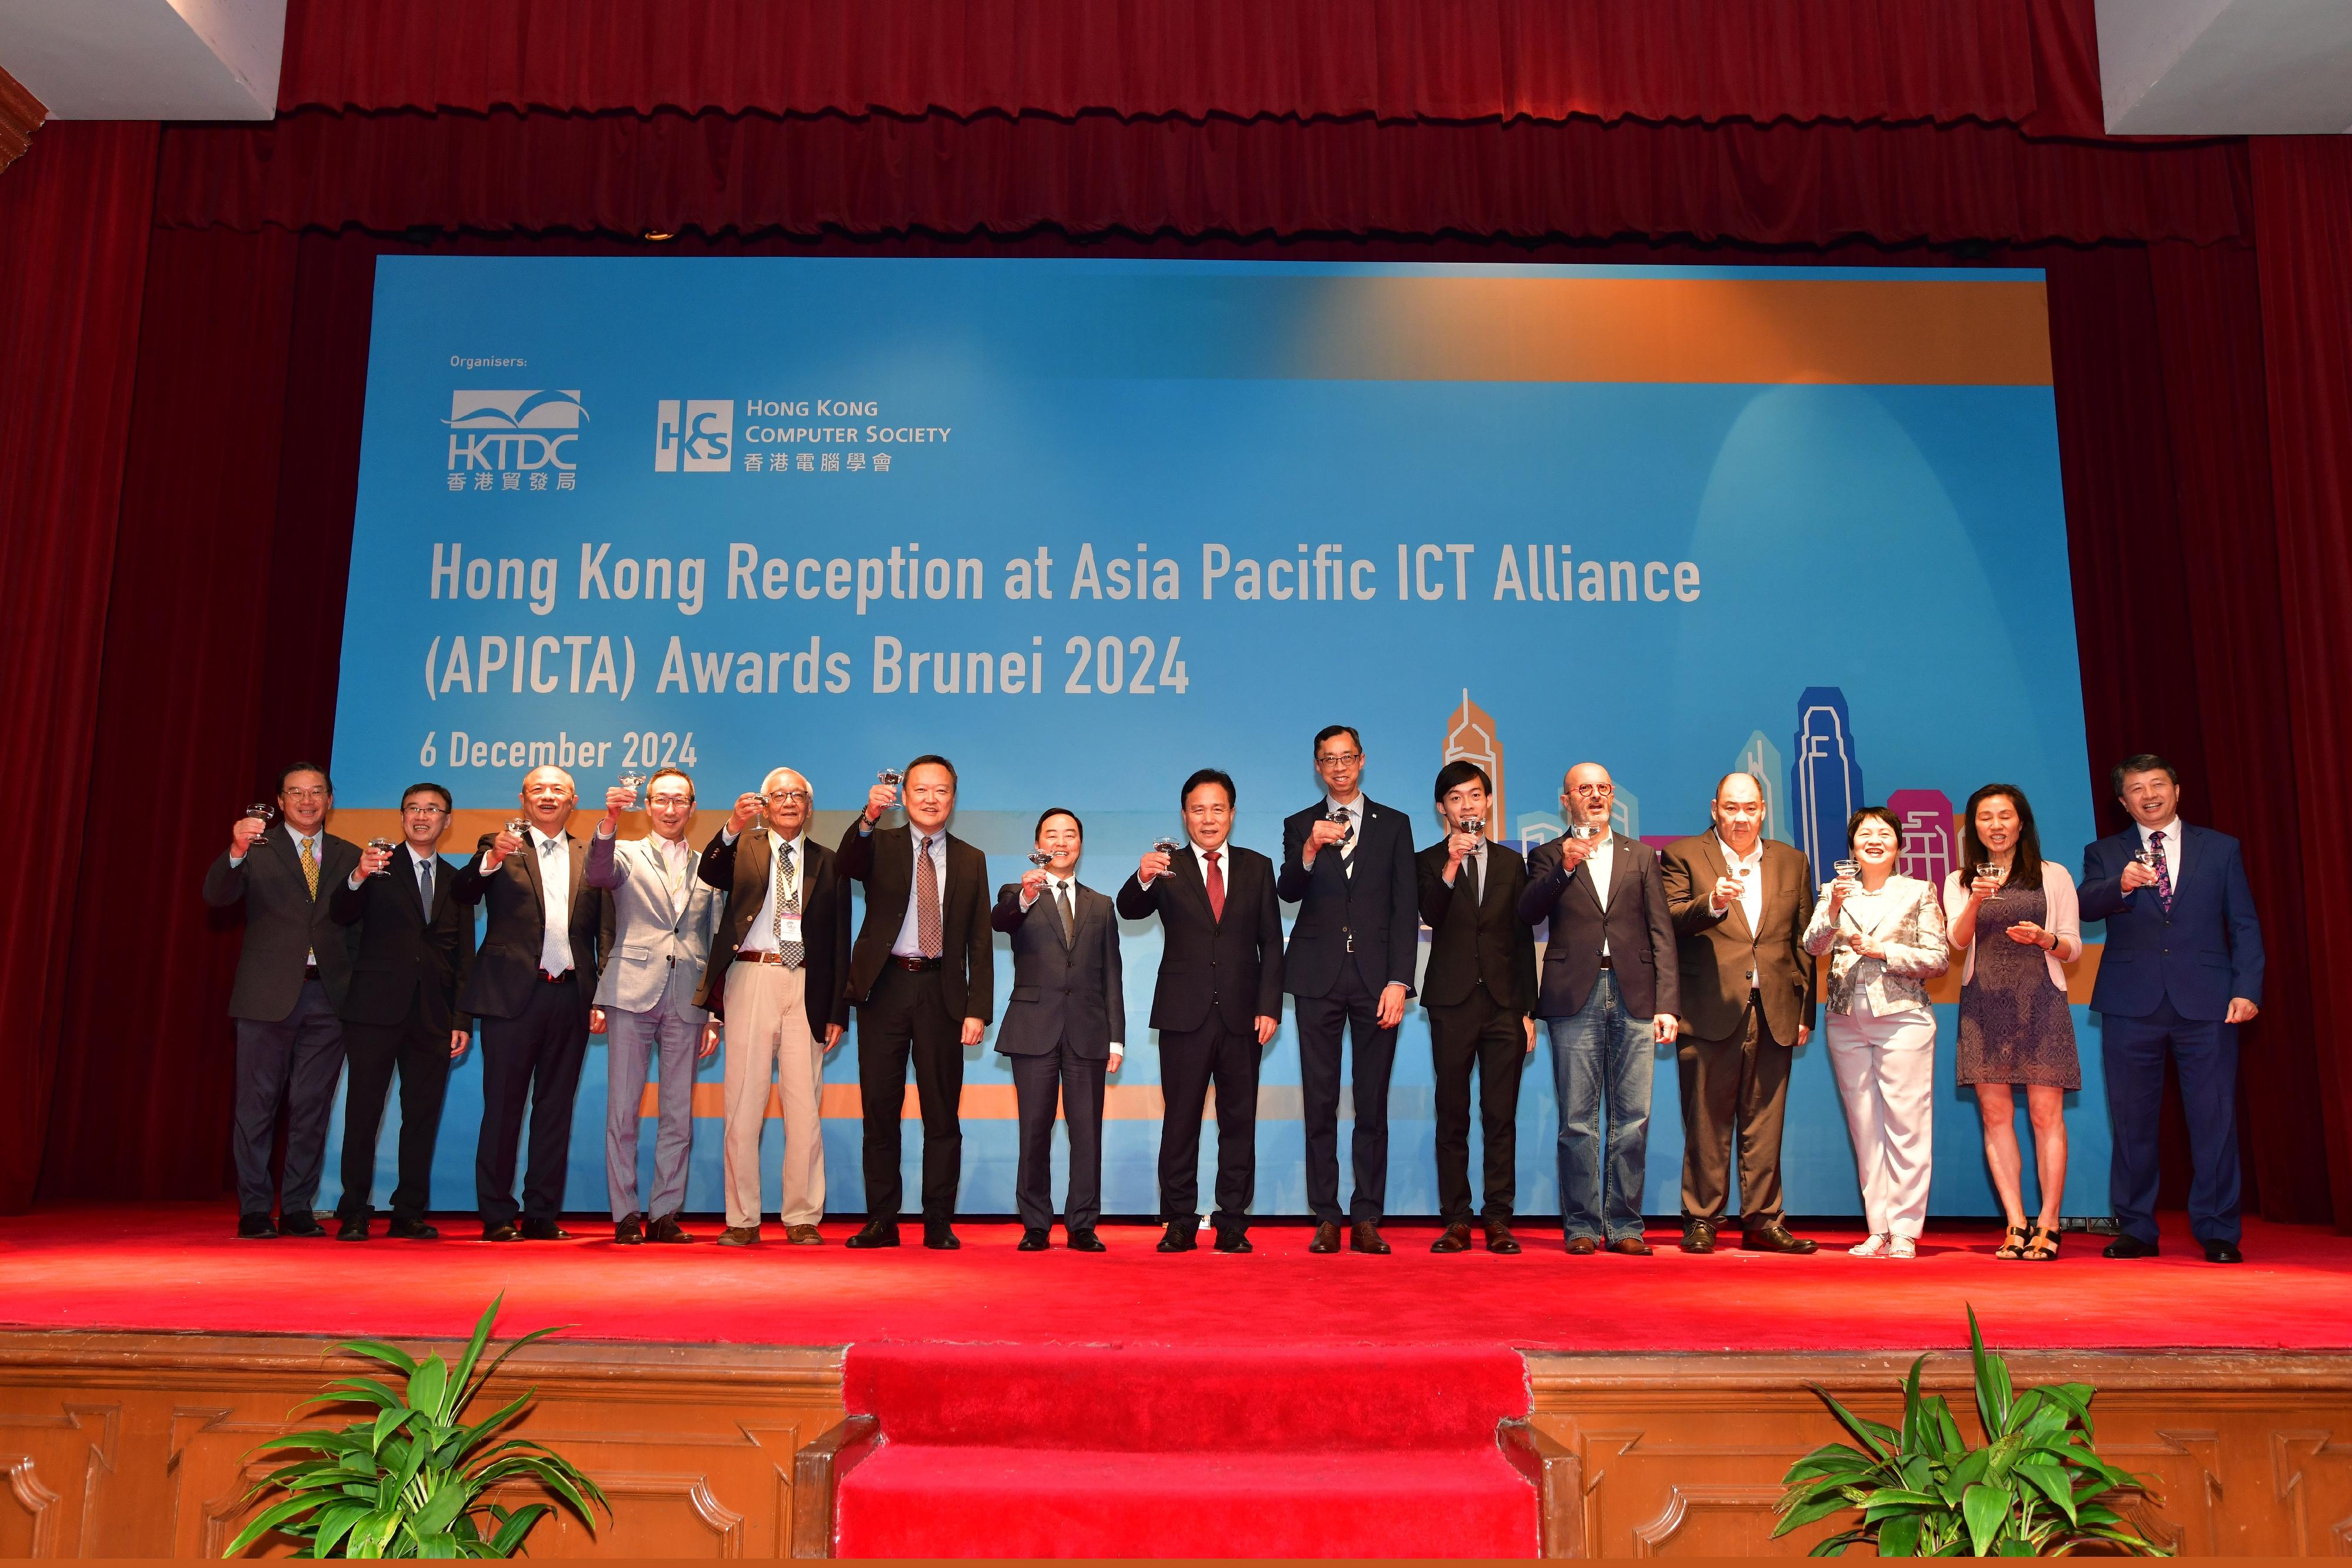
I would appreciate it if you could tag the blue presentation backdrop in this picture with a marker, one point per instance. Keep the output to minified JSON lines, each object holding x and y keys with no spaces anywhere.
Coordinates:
{"x":1085,"y":526}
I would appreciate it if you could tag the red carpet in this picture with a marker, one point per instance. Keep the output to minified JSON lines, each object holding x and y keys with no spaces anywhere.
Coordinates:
{"x":179,"y":1267}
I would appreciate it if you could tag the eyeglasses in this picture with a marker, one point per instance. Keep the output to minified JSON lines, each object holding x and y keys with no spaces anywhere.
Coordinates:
{"x":423,"y":810}
{"x":1593,"y":790}
{"x":306,"y":793}
{"x":1340,"y":758}
{"x":674,"y":801}
{"x":785,"y":797}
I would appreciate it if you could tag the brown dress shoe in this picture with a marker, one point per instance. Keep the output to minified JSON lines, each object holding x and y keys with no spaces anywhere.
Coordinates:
{"x":1455,"y":1238}
{"x":1327,"y":1237}
{"x":1698,"y":1236}
{"x":629,"y":1230}
{"x":668,"y":1228}
{"x":1499,"y":1239}
{"x":1777,"y":1238}
{"x":1365,"y":1236}
{"x":739,"y":1235}
{"x":1582,"y":1247}
{"x":1629,"y":1247}
{"x":803,"y":1236}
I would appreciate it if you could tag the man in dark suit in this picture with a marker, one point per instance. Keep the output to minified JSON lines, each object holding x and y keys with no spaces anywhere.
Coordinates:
{"x":1480,"y":982}
{"x":291,"y":974}
{"x":532,"y":985}
{"x":1065,"y":1027}
{"x":415,"y":946}
{"x":923,"y":973}
{"x":1216,"y":1004}
{"x":1610,"y":992}
{"x":778,"y":969}
{"x":2182,"y":970}
{"x":1347,"y":863}
{"x":1740,"y":903}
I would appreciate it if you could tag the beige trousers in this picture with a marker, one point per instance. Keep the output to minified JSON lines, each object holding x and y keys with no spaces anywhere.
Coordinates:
{"x":770,"y":1039}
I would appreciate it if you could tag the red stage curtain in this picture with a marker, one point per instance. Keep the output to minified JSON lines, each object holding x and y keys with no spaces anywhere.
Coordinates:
{"x":712,"y":173}
{"x":74,"y":212}
{"x":2303,"y":213}
{"x":2015,"y":62}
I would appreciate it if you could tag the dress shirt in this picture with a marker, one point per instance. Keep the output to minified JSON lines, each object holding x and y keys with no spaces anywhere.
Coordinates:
{"x":1599,"y":866}
{"x":415,"y":861}
{"x":761,"y":936}
{"x":909,"y":944}
{"x":2171,"y":834}
{"x":1751,"y":885}
{"x":1355,"y":810}
{"x":1224,"y":853}
{"x":554,"y":899}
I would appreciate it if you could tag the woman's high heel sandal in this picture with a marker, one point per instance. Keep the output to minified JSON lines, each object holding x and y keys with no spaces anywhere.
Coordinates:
{"x":2041,"y":1247}
{"x":2012,"y":1245}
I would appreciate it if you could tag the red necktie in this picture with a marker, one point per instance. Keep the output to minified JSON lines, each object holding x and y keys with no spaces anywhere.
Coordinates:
{"x":1216,"y":886}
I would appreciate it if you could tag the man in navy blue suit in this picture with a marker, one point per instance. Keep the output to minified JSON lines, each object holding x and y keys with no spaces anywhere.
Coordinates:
{"x":2183,"y":968}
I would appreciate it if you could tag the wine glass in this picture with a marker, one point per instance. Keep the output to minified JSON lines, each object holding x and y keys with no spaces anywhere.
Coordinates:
{"x":1846,"y":870}
{"x":1473,"y":825}
{"x":634,"y":783}
{"x":1041,"y":859}
{"x":1583,"y":831}
{"x":1995,"y":874}
{"x":1168,"y":845}
{"x":1334,"y":813}
{"x":520,"y":827}
{"x":890,"y":776}
{"x":2147,"y":857}
{"x":266,"y":812}
{"x":383,"y":846}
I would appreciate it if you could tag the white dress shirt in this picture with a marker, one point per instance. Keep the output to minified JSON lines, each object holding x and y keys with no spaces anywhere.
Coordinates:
{"x":1599,"y":866}
{"x":761,"y":936}
{"x":1751,"y":873}
{"x":2171,"y":834}
{"x":554,"y":898}
{"x":909,"y":944}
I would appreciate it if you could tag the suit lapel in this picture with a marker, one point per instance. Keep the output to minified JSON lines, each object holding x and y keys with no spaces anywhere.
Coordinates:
{"x":1188,"y":873}
{"x":656,"y":866}
{"x":1619,"y":864}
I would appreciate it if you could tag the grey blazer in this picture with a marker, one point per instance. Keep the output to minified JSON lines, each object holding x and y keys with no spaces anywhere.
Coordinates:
{"x":1061,"y":992}
{"x":658,"y":936}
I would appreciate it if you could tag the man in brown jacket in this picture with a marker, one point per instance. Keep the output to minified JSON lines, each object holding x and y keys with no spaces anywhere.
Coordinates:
{"x":1740,"y":904}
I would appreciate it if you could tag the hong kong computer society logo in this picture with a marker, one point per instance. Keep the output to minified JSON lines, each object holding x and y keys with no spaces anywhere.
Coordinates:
{"x":693,"y":435}
{"x":513,"y":432}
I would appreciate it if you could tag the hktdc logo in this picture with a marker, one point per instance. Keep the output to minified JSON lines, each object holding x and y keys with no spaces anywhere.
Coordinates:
{"x":507,"y":430}
{"x":694,"y":435}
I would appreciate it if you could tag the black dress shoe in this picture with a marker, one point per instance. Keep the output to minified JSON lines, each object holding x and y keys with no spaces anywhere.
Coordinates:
{"x":1083,"y":1239}
{"x":1629,"y":1247}
{"x":544,"y":1231}
{"x":304,"y":1224}
{"x":1582,"y":1247}
{"x":1364,"y":1236}
{"x":2128,"y":1247}
{"x":412,"y":1230}
{"x":1778,"y":1237}
{"x":1183,"y":1235}
{"x":939,"y":1238}
{"x":629,"y":1230}
{"x":256,"y":1228}
{"x":2223,"y":1252}
{"x":1499,"y":1239}
{"x":875,"y":1233}
{"x":1031,"y":1240}
{"x":507,"y":1231}
{"x":1233,"y":1241}
{"x":352,"y":1228}
{"x":1698,"y":1236}
{"x":1327,"y":1237}
{"x":668,"y":1229}
{"x":1455,"y":1238}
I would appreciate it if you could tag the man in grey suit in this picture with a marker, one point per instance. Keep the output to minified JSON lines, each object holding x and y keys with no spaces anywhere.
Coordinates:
{"x":663,"y":918}
{"x":292,"y":977}
{"x":1064,"y":1030}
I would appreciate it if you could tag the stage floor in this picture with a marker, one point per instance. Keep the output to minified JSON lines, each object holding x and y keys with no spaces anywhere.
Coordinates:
{"x":179,"y":1268}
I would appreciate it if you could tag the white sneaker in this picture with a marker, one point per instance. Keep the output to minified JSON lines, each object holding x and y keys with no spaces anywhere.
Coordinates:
{"x":1876,"y":1247}
{"x":1903,"y":1247}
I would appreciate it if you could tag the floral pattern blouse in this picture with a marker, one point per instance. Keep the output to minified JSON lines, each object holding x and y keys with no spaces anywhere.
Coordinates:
{"x":1907,"y":919}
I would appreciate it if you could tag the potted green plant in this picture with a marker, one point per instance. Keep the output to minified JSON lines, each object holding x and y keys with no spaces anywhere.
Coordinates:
{"x":409,"y":1481}
{"x":2037,"y":1488}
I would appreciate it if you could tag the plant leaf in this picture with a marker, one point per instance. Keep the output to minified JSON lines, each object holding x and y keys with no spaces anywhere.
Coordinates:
{"x":377,"y":1350}
{"x":516,"y":1525}
{"x":1880,"y":1439}
{"x":427,"y":1384}
{"x":268,"y":1519}
{"x":1985,"y":1508}
{"x":1899,"y":1536}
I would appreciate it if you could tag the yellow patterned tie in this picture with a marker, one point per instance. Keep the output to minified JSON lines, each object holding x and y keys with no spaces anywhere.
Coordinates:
{"x":310,"y":868}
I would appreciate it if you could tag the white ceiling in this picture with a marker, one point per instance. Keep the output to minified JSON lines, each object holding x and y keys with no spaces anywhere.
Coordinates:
{"x":2226,"y":67}
{"x":146,"y":60}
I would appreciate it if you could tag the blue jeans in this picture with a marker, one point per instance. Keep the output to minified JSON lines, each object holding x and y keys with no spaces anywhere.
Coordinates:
{"x":1601,"y":1063}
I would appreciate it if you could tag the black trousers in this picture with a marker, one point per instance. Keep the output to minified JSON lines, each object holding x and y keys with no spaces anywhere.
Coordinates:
{"x":373,"y":1051}
{"x":292,"y":1064}
{"x":1190,"y":1060}
{"x":1477,"y":1033}
{"x":906,"y":1017}
{"x":532,"y":1062}
{"x":1062,"y":1078}
{"x":1320,"y":1020}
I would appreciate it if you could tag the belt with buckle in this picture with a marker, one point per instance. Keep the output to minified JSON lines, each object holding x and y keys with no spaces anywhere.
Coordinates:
{"x":563,"y":979}
{"x":757,"y":956}
{"x":914,"y":966}
{"x":309,"y":971}
{"x":1607,"y":962}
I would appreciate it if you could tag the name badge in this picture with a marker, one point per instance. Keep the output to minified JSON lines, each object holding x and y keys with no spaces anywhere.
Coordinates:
{"x":791,"y":927}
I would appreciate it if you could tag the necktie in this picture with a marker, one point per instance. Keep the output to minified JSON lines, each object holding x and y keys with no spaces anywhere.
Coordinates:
{"x":310,"y":867}
{"x":788,"y":902}
{"x":1062,"y":907}
{"x":424,"y":886}
{"x":1216,"y":888}
{"x":927,"y":902}
{"x":1470,"y":879}
{"x":2163,"y":871}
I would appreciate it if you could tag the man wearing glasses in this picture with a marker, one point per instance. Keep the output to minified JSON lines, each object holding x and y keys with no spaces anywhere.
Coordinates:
{"x":663,"y":918}
{"x":1347,"y":862}
{"x":415,"y":944}
{"x":776,"y":976}
{"x":291,"y":974}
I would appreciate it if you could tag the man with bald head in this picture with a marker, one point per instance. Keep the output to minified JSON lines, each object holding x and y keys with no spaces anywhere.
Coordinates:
{"x":1740,"y":904}
{"x":778,"y":976}
{"x":533,"y":981}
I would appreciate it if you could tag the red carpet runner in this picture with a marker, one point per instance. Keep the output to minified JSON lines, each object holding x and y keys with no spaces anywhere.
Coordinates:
{"x":1041,"y":1450}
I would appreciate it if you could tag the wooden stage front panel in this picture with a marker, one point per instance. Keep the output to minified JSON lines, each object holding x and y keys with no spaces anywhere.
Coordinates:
{"x":124,"y":1444}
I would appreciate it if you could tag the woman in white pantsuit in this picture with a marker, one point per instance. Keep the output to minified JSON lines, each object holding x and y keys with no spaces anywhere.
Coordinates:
{"x":1887,"y":938}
